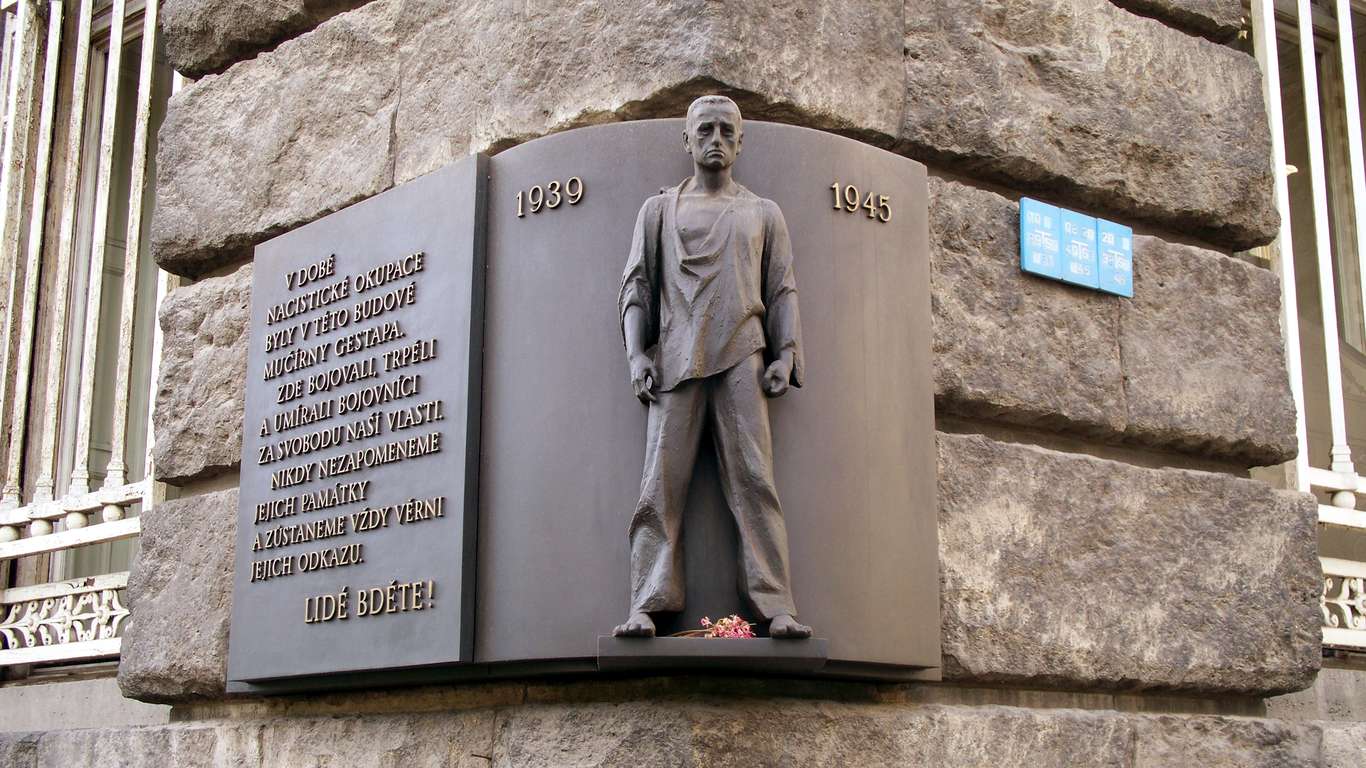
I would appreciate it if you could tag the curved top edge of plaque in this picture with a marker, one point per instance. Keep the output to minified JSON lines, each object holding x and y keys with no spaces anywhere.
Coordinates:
{"x":572,"y":133}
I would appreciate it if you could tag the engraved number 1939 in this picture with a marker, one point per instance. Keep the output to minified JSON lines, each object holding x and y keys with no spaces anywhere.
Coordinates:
{"x":539,"y":198}
{"x":847,"y":198}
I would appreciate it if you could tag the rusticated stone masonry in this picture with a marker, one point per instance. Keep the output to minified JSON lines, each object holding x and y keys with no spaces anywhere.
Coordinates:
{"x":1059,"y":570}
{"x":1071,"y":571}
{"x":205,"y":36}
{"x":199,"y":397}
{"x":175,"y":647}
{"x":1113,"y":111}
{"x":1194,"y":362}
{"x":696,"y":732}
{"x":1219,"y":20}
{"x":390,"y":91}
{"x":397,"y":89}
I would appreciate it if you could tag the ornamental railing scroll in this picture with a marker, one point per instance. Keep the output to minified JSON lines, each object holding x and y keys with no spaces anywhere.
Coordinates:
{"x":1344,"y":602}
{"x":85,"y":614}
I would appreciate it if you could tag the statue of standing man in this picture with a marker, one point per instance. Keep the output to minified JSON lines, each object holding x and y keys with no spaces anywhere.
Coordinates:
{"x":709,"y":286}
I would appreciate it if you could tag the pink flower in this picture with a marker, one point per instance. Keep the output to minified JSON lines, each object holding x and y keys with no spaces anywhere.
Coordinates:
{"x":732,"y":626}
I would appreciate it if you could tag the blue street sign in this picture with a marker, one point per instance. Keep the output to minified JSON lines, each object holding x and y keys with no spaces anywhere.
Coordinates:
{"x":1040,"y":238}
{"x":1079,"y":263}
{"x":1116,"y":258}
{"x":1075,"y":248}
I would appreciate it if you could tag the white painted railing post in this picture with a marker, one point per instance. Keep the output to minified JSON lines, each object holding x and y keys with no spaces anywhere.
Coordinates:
{"x":117,"y":473}
{"x":1264,"y":46}
{"x":13,"y":165}
{"x":1341,"y":451}
{"x":80,"y":473}
{"x":45,"y":487}
{"x":10,"y":494}
{"x":1348,"y":57}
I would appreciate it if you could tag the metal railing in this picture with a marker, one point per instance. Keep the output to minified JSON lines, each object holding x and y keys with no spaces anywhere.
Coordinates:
{"x":1322,"y":35}
{"x":69,"y":505}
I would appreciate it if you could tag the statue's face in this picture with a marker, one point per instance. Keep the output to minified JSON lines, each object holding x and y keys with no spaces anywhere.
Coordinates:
{"x":713,"y":135}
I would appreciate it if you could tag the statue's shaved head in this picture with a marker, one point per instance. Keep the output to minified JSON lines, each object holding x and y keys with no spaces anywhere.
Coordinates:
{"x":713,"y":100}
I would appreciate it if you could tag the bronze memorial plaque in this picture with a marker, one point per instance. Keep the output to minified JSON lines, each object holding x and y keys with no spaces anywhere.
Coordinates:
{"x":687,"y":375}
{"x":565,"y":437}
{"x":355,"y":535}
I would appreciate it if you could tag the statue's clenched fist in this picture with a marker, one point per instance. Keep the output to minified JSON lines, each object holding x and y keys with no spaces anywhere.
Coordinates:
{"x":643,"y":377}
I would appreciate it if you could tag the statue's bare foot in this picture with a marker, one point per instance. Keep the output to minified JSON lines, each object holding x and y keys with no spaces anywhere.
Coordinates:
{"x":786,"y":628}
{"x":640,"y":625}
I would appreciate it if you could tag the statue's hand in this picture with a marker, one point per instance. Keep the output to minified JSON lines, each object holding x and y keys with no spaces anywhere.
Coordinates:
{"x":777,"y":376}
{"x":643,"y":377}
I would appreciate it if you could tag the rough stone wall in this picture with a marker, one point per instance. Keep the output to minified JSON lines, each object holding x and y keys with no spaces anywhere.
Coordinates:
{"x":1072,"y":571}
{"x":1169,"y":369}
{"x":1219,"y":20}
{"x":696,"y":732}
{"x":199,"y":397}
{"x":1060,"y":569}
{"x":204,"y":36}
{"x":181,"y":591}
{"x":1119,"y":113}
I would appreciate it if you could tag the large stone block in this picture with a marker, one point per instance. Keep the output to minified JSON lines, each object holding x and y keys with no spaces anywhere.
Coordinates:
{"x":793,"y":732}
{"x":181,"y":746}
{"x":1104,"y":108}
{"x":631,"y":733}
{"x":1225,"y":742}
{"x":1007,"y":345}
{"x":19,"y":750}
{"x":440,"y":740}
{"x":947,"y":736}
{"x":204,"y":36}
{"x":1344,"y":745}
{"x":199,"y":397}
{"x":1066,"y":570}
{"x":175,"y":646}
{"x":552,"y":66}
{"x":671,"y":732}
{"x":1204,"y":361}
{"x":277,"y":141}
{"x":1219,"y":20}
{"x":1194,"y":362}
{"x":395,"y":89}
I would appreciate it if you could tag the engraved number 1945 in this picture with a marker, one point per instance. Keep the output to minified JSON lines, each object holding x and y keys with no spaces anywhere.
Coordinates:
{"x":847,"y":199}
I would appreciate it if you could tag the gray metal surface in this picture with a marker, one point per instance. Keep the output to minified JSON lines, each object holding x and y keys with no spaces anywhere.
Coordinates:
{"x":752,"y":655}
{"x":562,"y":431}
{"x":440,"y":215}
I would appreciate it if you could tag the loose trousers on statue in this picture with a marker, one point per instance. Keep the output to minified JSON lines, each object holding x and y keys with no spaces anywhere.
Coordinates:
{"x":734,"y":404}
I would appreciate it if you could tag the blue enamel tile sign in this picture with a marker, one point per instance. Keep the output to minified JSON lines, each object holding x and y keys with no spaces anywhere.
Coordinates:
{"x":1040,"y":238}
{"x":1079,"y":265}
{"x":1075,"y":248}
{"x":1116,"y":246}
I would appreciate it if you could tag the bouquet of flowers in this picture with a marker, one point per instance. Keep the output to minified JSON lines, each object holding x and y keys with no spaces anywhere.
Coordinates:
{"x":731,"y":626}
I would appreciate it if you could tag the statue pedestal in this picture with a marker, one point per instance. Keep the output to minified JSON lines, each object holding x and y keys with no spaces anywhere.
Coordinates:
{"x":762,"y":654}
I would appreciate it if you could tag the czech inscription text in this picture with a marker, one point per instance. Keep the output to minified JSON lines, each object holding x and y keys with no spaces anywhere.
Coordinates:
{"x":348,"y":381}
